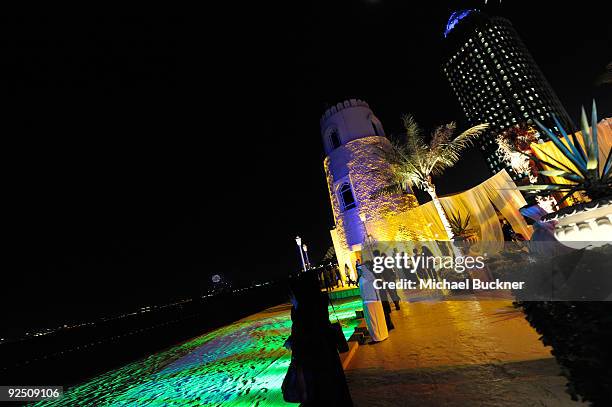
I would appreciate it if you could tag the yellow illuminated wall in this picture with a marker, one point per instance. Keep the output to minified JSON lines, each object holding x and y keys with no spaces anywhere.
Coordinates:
{"x":367,"y":172}
{"x":482,"y":203}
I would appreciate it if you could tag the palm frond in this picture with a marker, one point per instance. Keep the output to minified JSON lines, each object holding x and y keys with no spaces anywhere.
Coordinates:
{"x":466,"y":138}
{"x":414,"y":161}
{"x":449,"y":152}
{"x":413,"y":131}
{"x":473,"y":131}
{"x":442,"y":135}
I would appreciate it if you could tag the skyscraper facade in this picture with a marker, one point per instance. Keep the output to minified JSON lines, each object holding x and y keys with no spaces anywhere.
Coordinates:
{"x":496,"y":81}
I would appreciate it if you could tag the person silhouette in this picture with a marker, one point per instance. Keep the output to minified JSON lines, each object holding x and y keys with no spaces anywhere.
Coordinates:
{"x":373,"y":311}
{"x":314,"y":353}
{"x":386,"y":301}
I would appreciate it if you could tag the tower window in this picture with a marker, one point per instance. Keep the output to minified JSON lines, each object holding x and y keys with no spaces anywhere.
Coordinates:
{"x":376,"y":130}
{"x":334,"y":139}
{"x":347,"y":200}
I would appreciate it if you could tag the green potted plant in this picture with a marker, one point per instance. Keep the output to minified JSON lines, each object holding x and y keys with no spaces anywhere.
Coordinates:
{"x":461,"y":227}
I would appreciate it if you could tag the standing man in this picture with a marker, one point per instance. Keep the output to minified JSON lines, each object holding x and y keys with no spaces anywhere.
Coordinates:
{"x":373,"y":312}
{"x":328,"y":278}
{"x":389,"y":275}
{"x":338,"y":275}
{"x":385,"y":300}
{"x":428,"y":255}
{"x":347,"y":272}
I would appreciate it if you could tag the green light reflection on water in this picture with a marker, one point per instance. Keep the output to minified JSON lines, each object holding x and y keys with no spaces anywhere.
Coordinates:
{"x":241,"y":364}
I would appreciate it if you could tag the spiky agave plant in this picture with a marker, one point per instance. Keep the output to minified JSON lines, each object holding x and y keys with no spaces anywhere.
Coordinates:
{"x":460,"y":227}
{"x":587,"y":174}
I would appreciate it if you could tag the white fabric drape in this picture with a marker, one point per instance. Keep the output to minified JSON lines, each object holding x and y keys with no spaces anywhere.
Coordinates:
{"x":508,"y":200}
{"x":498,"y":192}
{"x":480,"y":202}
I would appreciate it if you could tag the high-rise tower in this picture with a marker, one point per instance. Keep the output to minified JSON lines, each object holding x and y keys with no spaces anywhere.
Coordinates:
{"x":496,"y":80}
{"x":354,"y":168}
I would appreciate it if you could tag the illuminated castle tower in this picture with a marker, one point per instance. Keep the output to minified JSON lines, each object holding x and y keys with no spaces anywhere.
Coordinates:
{"x":352,"y":137}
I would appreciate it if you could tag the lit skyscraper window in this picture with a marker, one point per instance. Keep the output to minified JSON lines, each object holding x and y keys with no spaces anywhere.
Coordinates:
{"x":495,"y":79}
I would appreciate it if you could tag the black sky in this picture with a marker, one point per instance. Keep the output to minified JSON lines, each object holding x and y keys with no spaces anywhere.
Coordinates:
{"x":145,"y":154}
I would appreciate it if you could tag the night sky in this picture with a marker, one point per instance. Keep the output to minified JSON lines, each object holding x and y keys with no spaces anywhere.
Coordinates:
{"x":146,"y":154}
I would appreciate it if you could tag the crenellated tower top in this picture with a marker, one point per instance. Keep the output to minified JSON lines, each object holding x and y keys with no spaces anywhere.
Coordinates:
{"x":342,"y":105}
{"x":347,"y":121}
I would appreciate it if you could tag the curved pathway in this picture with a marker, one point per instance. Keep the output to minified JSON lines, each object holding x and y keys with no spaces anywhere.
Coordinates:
{"x":458,"y":353}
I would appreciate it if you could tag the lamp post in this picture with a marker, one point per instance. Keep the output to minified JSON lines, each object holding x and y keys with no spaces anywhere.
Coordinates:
{"x":298,"y":240}
{"x":362,"y":217}
{"x":366,"y":240}
{"x":306,"y":254}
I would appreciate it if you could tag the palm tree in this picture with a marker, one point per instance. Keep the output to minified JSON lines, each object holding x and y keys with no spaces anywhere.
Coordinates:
{"x":415,"y":161}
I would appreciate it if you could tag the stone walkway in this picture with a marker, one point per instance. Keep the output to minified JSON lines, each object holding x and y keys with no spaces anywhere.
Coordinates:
{"x":457,"y":353}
